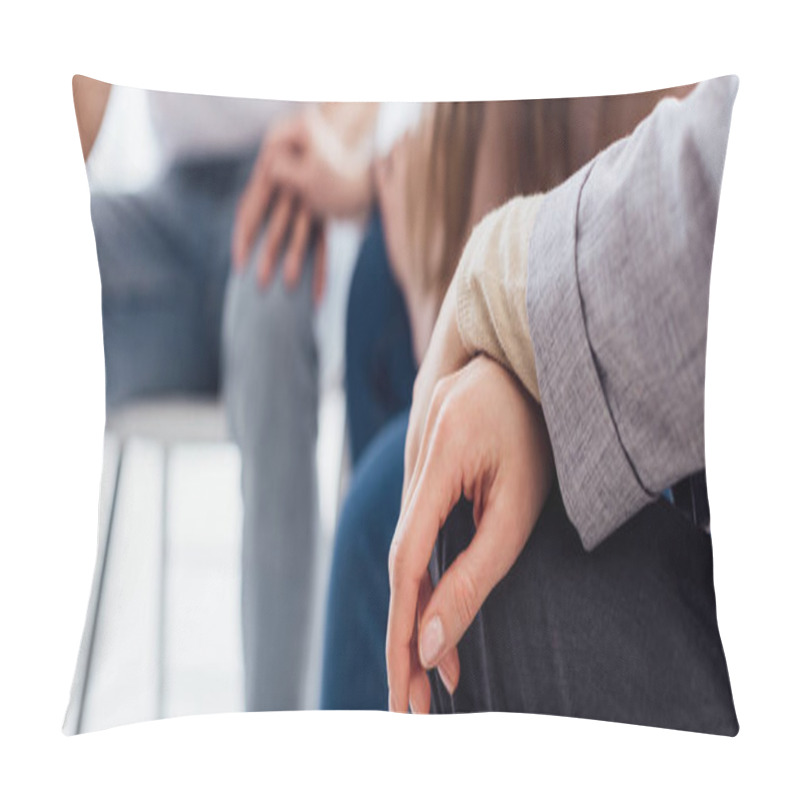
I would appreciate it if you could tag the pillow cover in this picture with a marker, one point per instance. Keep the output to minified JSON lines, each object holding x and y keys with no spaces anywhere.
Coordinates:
{"x":229,"y":576}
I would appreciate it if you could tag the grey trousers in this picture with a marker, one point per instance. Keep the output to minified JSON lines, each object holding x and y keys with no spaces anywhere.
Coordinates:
{"x":271,"y":394}
{"x":175,"y":320}
{"x":625,"y":633}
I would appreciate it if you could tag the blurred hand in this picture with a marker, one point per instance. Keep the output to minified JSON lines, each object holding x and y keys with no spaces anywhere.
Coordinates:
{"x":286,"y":182}
{"x":303,"y":173}
{"x":306,"y":156}
{"x":473,"y":430}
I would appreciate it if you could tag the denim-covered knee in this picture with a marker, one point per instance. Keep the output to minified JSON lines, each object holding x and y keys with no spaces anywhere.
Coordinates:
{"x":354,"y":667}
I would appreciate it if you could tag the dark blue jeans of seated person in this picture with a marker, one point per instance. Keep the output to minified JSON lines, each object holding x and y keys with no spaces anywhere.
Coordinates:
{"x":380,"y":371}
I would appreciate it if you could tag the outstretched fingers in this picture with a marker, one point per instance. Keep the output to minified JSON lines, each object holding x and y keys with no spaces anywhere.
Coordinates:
{"x":277,"y":230}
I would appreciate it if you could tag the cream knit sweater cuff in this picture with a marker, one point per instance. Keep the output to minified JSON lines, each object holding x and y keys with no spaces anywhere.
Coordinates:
{"x":491,"y":282}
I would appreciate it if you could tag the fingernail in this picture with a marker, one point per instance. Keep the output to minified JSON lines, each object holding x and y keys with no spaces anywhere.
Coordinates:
{"x":447,"y":680}
{"x":432,"y":642}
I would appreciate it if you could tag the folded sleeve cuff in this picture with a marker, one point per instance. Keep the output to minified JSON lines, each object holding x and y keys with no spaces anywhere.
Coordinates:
{"x":598,"y":484}
{"x":491,"y":285}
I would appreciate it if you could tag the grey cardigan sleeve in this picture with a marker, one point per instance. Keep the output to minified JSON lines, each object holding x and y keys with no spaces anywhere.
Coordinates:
{"x":617,"y":297}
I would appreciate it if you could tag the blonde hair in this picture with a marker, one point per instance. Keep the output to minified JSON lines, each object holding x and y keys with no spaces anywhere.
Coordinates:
{"x":539,"y":151}
{"x":442,"y":168}
{"x":441,"y":172}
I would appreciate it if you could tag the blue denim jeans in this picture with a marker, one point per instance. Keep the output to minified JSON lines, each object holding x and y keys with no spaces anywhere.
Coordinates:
{"x":379,"y":358}
{"x":380,"y":372}
{"x":354,"y":664}
{"x":176,"y":321}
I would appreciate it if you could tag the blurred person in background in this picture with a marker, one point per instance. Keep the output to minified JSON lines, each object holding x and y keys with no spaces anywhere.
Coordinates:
{"x":209,"y":279}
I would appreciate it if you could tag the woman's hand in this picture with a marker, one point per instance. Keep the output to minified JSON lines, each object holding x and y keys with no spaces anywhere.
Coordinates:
{"x":480,"y":434}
